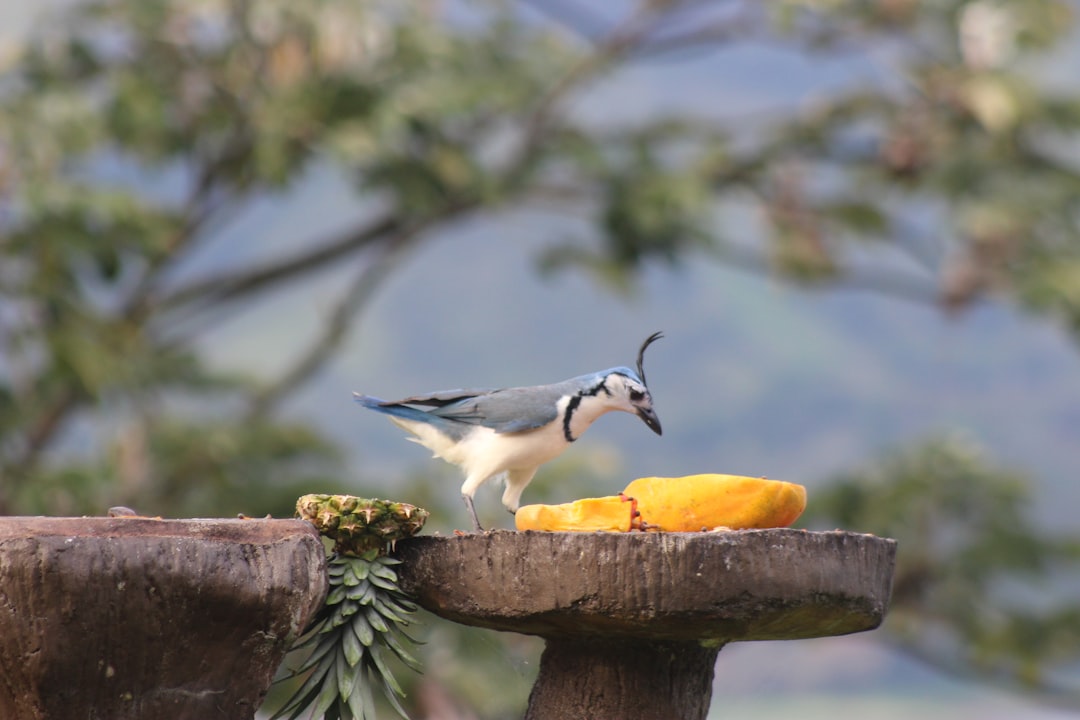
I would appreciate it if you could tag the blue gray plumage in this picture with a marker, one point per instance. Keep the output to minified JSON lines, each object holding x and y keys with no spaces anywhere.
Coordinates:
{"x":513,"y":431}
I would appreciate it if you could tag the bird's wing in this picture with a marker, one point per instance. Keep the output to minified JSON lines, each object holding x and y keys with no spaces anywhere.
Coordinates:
{"x":507,"y":411}
{"x":441,"y":398}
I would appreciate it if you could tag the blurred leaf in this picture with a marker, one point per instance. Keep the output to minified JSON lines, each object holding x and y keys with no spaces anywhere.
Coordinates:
{"x":970,"y":554}
{"x":862,"y":218}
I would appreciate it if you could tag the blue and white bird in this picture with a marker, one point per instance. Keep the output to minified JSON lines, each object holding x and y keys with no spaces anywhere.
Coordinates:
{"x":513,"y":431}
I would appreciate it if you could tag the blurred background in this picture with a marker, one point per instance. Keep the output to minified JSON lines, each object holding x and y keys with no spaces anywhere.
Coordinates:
{"x":857,"y":223}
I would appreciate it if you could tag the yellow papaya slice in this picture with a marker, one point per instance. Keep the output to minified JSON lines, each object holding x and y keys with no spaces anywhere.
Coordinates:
{"x":706,"y":502}
{"x":610,"y":514}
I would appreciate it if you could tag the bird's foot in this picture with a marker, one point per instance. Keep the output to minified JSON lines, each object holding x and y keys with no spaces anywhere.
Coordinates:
{"x":472,"y":513}
{"x":475,"y":531}
{"x":636,"y":523}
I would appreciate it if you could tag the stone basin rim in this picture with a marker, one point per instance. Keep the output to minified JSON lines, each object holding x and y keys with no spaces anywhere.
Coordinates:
{"x":220,"y":529}
{"x":739,"y":585}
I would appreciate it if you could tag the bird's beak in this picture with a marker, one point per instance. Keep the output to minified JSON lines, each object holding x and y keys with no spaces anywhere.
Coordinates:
{"x":649,"y":417}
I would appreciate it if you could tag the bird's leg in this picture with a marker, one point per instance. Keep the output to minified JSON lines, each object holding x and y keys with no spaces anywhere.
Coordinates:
{"x":636,"y":523}
{"x":472,"y":512}
{"x":516,"y":480}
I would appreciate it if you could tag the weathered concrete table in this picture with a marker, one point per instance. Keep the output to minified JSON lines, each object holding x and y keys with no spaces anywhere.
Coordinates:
{"x":135,"y":618}
{"x":131,"y":618}
{"x":633,"y":622}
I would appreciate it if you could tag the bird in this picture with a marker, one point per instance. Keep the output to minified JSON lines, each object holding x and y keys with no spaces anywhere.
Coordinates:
{"x":511,"y":432}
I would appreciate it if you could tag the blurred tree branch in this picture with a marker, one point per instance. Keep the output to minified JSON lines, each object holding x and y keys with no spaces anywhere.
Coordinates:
{"x":234,"y":286}
{"x":340,"y":319}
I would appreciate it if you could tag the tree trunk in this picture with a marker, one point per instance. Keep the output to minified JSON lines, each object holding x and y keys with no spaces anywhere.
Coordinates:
{"x":591,"y":679}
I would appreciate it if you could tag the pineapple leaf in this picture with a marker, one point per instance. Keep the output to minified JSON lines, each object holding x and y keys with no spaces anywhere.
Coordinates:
{"x":375,"y":619}
{"x":305,"y":695}
{"x":362,"y":629}
{"x":321,"y":650}
{"x":328,"y":695}
{"x":352,"y":647}
{"x":399,"y":604}
{"x":368,"y":595}
{"x":358,"y":572}
{"x":405,"y":605}
{"x":384,"y":671}
{"x":383,"y":583}
{"x":336,"y":595}
{"x":337,"y":617}
{"x":404,"y":655}
{"x":387,"y":611}
{"x":346,"y":674}
{"x":379,"y":570}
{"x":401,"y":630}
{"x":359,"y":592}
{"x":307,"y":640}
{"x":395,"y":703}
{"x":362,"y":701}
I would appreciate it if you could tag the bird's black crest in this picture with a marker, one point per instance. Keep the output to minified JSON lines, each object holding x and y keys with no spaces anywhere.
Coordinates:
{"x":641,"y":355}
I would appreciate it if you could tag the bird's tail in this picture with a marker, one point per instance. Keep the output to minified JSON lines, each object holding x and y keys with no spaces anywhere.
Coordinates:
{"x":433,"y":432}
{"x":397,"y":411}
{"x":389,"y":408}
{"x":369,"y":402}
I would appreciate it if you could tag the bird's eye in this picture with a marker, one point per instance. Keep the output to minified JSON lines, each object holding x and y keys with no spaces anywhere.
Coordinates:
{"x":636,"y":395}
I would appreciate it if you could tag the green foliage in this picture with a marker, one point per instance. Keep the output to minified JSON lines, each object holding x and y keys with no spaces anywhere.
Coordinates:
{"x":183,"y":468}
{"x":654,"y":206}
{"x":973,"y":568}
{"x":351,"y":642}
{"x":974,"y":137}
{"x":133,"y":132}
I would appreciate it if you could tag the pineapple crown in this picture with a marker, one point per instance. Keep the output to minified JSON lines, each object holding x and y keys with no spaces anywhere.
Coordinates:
{"x":358,"y":525}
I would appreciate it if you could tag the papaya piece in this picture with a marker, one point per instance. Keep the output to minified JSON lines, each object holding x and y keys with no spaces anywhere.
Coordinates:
{"x":710,"y":501}
{"x":608,"y":514}
{"x":681,"y":504}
